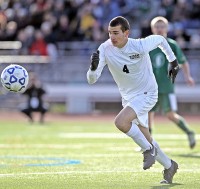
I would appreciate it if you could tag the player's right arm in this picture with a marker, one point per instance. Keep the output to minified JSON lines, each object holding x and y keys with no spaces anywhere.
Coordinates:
{"x":97,"y":63}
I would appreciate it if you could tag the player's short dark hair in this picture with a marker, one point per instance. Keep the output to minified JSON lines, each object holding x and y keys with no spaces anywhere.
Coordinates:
{"x":119,"y":20}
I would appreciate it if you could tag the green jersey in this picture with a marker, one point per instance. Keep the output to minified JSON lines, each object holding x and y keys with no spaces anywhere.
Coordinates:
{"x":160,"y":66}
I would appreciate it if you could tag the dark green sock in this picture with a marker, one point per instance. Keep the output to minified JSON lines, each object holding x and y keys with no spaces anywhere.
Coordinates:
{"x":183,"y":126}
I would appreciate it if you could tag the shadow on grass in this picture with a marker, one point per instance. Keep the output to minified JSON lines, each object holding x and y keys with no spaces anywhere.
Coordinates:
{"x":190,"y":155}
{"x":166,"y":186}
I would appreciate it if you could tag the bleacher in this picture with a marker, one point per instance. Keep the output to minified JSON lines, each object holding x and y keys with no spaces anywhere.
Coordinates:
{"x":65,"y":80}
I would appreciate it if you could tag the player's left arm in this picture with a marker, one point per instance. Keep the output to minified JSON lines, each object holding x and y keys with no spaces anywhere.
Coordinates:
{"x":173,"y":70}
{"x":154,"y":41}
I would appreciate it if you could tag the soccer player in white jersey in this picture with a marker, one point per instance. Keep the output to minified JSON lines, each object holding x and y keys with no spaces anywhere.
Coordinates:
{"x":129,"y":63}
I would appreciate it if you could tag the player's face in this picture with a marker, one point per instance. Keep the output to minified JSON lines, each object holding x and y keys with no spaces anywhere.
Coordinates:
{"x":160,"y":28}
{"x":117,"y":36}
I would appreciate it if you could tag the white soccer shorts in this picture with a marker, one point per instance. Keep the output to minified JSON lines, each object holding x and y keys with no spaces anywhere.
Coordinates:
{"x":142,"y":104}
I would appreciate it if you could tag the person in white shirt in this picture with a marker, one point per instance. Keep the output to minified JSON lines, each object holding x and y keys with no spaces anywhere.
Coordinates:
{"x":129,"y":63}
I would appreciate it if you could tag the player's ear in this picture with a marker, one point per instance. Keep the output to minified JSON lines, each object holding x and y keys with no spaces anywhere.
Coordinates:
{"x":126,"y":33}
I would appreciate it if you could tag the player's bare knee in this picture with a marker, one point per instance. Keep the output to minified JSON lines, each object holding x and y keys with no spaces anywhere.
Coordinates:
{"x":117,"y":122}
{"x":120,"y":124}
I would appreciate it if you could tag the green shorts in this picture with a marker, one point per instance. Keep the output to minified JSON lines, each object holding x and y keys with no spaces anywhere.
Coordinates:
{"x":165,"y":103}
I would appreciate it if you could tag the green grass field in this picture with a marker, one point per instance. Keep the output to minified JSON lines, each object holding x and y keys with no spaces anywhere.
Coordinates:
{"x":93,"y":154}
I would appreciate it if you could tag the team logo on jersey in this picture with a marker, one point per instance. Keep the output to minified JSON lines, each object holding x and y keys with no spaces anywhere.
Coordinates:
{"x":134,"y":56}
{"x":158,"y":60}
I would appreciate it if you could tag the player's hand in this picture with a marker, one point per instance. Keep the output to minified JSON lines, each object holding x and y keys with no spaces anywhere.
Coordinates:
{"x":94,"y":60}
{"x":190,"y":81}
{"x":173,"y":70}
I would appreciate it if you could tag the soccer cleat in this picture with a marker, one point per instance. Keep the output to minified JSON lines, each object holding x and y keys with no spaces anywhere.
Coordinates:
{"x":191,"y":139}
{"x":169,"y":173}
{"x":149,"y":158}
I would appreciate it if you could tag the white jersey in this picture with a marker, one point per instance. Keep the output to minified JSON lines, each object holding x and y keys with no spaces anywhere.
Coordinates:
{"x":131,"y":66}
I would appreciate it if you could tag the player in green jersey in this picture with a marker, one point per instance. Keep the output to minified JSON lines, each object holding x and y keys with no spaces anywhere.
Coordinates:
{"x":166,"y":96}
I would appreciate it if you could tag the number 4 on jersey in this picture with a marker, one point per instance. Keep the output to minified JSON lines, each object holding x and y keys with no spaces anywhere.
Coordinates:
{"x":125,"y":69}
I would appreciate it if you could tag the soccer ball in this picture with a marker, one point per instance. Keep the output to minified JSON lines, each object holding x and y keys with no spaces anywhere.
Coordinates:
{"x":15,"y":78}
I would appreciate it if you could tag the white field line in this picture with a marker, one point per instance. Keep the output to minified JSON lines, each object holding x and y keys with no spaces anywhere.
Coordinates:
{"x":88,"y":155}
{"x":83,"y":146}
{"x":93,"y":135}
{"x":41,"y":146}
{"x":64,"y":146}
{"x":87,"y":172}
{"x":121,"y":135}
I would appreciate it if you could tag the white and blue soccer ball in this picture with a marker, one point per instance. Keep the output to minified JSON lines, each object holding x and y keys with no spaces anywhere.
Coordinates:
{"x":15,"y":78}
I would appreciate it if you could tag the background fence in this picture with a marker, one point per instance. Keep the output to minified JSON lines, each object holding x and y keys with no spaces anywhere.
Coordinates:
{"x":65,"y":80}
